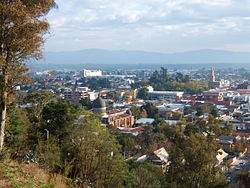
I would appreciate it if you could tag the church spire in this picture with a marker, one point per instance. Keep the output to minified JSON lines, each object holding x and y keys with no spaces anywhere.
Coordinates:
{"x":212,"y":75}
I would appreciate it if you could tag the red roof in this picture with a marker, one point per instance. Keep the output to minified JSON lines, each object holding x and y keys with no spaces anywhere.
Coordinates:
{"x":241,"y":134}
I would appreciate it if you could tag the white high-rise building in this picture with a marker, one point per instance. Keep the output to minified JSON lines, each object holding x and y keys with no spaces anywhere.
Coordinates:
{"x":90,"y":73}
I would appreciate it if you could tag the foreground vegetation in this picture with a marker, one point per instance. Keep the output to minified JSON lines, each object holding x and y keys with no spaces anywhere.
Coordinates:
{"x":69,"y":141}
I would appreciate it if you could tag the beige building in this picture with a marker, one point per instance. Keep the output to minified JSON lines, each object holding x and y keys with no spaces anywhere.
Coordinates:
{"x":212,"y":80}
{"x":120,"y":118}
{"x":115,"y":117}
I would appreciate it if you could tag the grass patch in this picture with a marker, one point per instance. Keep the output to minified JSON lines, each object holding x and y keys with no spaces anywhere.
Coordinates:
{"x":14,"y":174}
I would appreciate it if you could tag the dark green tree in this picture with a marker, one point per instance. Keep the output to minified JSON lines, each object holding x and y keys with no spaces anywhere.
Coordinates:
{"x":17,"y":129}
{"x":193,"y":163}
{"x":151,"y":110}
{"x":58,"y":118}
{"x":127,"y":143}
{"x":147,"y":176}
{"x":87,"y":103}
{"x":143,"y":93}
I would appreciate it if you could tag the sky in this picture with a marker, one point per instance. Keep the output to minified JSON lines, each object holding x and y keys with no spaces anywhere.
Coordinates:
{"x":166,"y":26}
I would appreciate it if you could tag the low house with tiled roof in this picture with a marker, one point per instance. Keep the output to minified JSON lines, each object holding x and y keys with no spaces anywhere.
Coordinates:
{"x":160,"y":158}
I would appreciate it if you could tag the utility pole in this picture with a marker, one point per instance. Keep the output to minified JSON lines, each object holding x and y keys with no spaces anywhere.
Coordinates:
{"x":47,"y":134}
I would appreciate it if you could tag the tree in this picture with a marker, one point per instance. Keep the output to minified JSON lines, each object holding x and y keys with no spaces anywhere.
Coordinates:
{"x":214,"y":111}
{"x":127,"y":142}
{"x":138,"y":112}
{"x":94,"y":155}
{"x":193,"y":163}
{"x":151,"y":110}
{"x":58,"y":119}
{"x":147,"y":176}
{"x":87,"y":103}
{"x":21,"y":36}
{"x":143,"y":93}
{"x":38,"y":101}
{"x":16,"y":129}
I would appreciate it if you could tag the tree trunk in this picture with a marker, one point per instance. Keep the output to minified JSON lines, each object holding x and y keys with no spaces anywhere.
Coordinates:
{"x":3,"y":112}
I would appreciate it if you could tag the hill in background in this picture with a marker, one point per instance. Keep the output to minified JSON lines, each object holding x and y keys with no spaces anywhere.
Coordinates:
{"x":99,"y":56}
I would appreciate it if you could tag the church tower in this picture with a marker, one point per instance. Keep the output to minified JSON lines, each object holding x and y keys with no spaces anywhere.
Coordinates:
{"x":212,"y":75}
{"x":212,"y":80}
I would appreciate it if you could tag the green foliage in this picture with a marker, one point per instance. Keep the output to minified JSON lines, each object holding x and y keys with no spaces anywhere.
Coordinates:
{"x":4,"y":154}
{"x":49,"y":152}
{"x":38,"y":101}
{"x":94,"y":155}
{"x":96,"y":83}
{"x":87,"y":103}
{"x":193,"y":163}
{"x":193,"y":159}
{"x":127,"y":143}
{"x":20,"y":21}
{"x":58,"y":118}
{"x":212,"y":127}
{"x":201,"y":109}
{"x":151,"y":110}
{"x":143,"y":93}
{"x":147,"y":176}
{"x":17,"y":127}
{"x":162,"y":80}
{"x":138,"y":112}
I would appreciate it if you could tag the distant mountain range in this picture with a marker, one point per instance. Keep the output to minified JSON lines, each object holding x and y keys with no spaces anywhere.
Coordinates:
{"x":99,"y":56}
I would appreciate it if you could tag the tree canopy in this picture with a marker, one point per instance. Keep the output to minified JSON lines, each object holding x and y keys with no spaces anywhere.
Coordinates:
{"x":163,"y":81}
{"x":22,"y":29}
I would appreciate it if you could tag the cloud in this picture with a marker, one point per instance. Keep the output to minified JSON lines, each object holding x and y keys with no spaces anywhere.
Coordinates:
{"x":145,"y":20}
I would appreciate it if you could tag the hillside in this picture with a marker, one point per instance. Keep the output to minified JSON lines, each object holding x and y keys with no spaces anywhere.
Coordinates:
{"x":13,"y":174}
{"x":99,"y":56}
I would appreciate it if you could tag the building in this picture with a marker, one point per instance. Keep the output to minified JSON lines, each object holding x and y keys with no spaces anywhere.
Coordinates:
{"x":212,"y":80}
{"x":226,"y":142}
{"x":145,"y":121}
{"x":214,"y":95}
{"x":160,"y":158}
{"x":164,"y":95}
{"x":99,"y":106}
{"x":115,"y":117}
{"x":90,"y":73}
{"x":119,"y":118}
{"x":244,"y":85}
{"x":75,"y":95}
{"x":221,"y":155}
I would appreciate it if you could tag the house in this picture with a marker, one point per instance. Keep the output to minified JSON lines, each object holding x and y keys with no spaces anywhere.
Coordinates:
{"x":172,"y":122}
{"x":242,"y":134}
{"x":144,"y":121}
{"x":134,"y":131}
{"x":160,"y":158}
{"x":221,"y":155}
{"x":226,"y":142}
